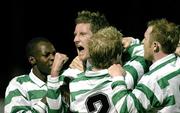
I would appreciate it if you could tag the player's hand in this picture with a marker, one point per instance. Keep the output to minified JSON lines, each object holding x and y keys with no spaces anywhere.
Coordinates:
{"x":77,"y":64}
{"x":59,"y":60}
{"x":126,"y":41}
{"x":116,"y":70}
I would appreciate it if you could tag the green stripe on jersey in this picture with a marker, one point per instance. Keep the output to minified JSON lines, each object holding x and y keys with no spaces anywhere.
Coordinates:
{"x":163,"y":82}
{"x":53,"y":94}
{"x":82,"y":77}
{"x":130,"y":49}
{"x":36,"y":94}
{"x":12,"y":94}
{"x":116,"y":97}
{"x":98,"y":87}
{"x":169,"y":101}
{"x":124,"y":108}
{"x":143,"y":62}
{"x":24,"y":78}
{"x":73,"y":94}
{"x":117,"y":83}
{"x":149,"y":94}
{"x":137,"y":104}
{"x":133,"y":72}
{"x":15,"y":109}
{"x":161,"y":65}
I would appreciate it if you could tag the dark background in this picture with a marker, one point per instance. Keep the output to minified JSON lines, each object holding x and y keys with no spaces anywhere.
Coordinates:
{"x":55,"y":20}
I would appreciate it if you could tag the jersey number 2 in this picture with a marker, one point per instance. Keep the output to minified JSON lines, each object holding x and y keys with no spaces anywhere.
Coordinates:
{"x":99,"y":98}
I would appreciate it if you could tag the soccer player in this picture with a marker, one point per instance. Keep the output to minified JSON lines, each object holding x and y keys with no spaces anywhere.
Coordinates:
{"x":158,"y":90}
{"x":83,"y":32}
{"x":25,"y":93}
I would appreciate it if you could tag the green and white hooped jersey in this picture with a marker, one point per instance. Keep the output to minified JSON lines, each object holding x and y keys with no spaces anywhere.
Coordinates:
{"x":135,"y":68}
{"x":91,"y":92}
{"x":157,"y":89}
{"x":54,"y":98}
{"x":24,"y":93}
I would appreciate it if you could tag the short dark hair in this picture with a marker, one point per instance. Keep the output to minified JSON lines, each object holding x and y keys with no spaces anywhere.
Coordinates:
{"x":96,"y":20}
{"x":166,"y":33}
{"x":32,"y":44}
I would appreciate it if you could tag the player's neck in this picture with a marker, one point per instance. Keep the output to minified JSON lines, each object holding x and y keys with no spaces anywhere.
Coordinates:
{"x":159,"y":56}
{"x":39,"y":74}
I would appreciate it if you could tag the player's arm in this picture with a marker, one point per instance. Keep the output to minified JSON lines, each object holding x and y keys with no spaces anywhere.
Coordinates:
{"x":149,"y":92}
{"x":135,"y":64}
{"x":54,"y":83}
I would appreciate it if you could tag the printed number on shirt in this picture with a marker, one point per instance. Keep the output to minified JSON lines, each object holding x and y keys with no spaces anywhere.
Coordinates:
{"x":98,"y":102}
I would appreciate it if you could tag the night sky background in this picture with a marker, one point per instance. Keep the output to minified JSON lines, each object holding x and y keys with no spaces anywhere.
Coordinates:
{"x":55,"y":21}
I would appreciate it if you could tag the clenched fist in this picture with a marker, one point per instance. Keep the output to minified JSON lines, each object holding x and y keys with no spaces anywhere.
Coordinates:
{"x":59,"y":60}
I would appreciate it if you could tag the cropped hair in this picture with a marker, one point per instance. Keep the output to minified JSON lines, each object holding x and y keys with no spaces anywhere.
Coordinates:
{"x":95,"y":19}
{"x":105,"y":46}
{"x":166,"y":33}
{"x":31,"y":46}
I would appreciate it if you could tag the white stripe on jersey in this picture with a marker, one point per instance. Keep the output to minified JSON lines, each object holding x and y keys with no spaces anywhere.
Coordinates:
{"x":80,"y":104}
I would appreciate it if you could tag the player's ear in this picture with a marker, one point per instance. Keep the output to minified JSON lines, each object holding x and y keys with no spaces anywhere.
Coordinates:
{"x":32,"y":60}
{"x":156,"y":47}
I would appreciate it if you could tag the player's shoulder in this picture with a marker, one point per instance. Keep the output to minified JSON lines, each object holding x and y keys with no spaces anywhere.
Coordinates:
{"x":20,"y":78}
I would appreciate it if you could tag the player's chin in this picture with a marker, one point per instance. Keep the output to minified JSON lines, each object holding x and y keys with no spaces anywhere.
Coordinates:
{"x":48,"y":71}
{"x":82,"y":57}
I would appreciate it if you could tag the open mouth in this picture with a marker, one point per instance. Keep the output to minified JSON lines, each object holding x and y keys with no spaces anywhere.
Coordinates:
{"x":80,"y":48}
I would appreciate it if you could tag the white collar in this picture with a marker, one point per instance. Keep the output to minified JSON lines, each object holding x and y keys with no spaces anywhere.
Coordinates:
{"x":162,"y":60}
{"x":35,"y":79}
{"x":96,"y":73}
